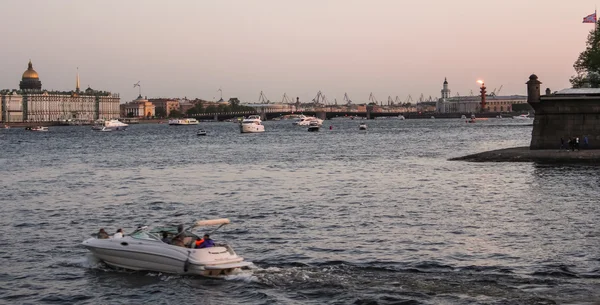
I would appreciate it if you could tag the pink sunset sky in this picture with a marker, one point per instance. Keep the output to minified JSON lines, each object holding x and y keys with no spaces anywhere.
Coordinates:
{"x":388,"y":47}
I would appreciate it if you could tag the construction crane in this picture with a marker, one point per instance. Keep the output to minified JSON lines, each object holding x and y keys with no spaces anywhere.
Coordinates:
{"x":421,"y":98}
{"x":262,"y":98}
{"x":409,"y":100}
{"x":372,"y":99}
{"x":390,"y":101}
{"x":319,"y":99}
{"x":347,"y":99}
{"x":397,"y":100}
{"x":286,"y":99}
{"x":495,"y":93}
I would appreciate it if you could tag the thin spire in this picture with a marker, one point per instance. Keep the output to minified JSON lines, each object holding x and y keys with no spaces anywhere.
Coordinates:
{"x":77,"y":84}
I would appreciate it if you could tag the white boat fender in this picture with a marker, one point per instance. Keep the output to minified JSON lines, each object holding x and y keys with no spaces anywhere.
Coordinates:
{"x":186,"y":265}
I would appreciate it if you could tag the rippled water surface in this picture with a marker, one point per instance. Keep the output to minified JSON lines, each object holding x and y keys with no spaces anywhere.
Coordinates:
{"x":341,"y":216}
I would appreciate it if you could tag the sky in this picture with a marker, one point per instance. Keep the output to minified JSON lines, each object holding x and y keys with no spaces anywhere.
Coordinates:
{"x":194,"y":48}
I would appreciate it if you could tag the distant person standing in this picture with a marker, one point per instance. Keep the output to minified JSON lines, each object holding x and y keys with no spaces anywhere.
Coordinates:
{"x":577,"y":143}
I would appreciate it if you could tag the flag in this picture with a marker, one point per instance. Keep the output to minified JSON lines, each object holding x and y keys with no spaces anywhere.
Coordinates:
{"x":590,"y":18}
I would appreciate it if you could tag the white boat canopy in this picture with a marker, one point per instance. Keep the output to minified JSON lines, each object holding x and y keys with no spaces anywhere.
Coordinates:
{"x":212,"y":222}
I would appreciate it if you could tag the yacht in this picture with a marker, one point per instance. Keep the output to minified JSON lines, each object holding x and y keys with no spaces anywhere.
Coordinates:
{"x":189,"y":121}
{"x":148,"y":250}
{"x":314,"y":126}
{"x":252,"y":124}
{"x":37,"y":128}
{"x":362,"y":126}
{"x":522,"y":116}
{"x":306,"y":120}
{"x":109,"y":125}
{"x":201,"y":132}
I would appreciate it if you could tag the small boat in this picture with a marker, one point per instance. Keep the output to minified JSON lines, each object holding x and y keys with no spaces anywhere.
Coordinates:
{"x":190,"y":121}
{"x":362,"y":126}
{"x":37,"y":128}
{"x":252,"y":124}
{"x":401,"y":117}
{"x":201,"y":132}
{"x":175,"y":252}
{"x":109,"y":125}
{"x":314,"y":126}
{"x":522,"y":117}
{"x":463,"y":117}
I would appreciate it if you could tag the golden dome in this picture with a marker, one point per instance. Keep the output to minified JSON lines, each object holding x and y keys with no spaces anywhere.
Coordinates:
{"x":30,"y":73}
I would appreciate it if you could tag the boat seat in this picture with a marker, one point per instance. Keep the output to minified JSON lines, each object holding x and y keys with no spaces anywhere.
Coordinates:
{"x":187,"y":241}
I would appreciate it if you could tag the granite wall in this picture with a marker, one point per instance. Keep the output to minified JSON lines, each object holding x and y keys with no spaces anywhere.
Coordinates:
{"x":572,"y":114}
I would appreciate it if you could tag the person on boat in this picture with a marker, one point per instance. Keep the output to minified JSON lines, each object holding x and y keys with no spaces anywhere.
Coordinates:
{"x":165,"y":238}
{"x":102,"y":234}
{"x":178,"y":241}
{"x":205,"y":242}
{"x":119,"y":234}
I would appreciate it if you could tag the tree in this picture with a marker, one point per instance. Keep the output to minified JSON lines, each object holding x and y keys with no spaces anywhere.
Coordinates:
{"x":175,"y":114}
{"x":587,"y":64}
{"x":160,"y":112}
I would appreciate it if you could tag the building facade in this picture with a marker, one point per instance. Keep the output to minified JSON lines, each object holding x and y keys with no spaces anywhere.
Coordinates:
{"x":138,"y":108}
{"x":472,"y":104}
{"x":30,"y":103}
{"x":167,"y":104}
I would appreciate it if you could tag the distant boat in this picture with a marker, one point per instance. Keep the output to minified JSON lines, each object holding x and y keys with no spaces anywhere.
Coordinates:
{"x":362,"y":126}
{"x":109,"y":125}
{"x":252,"y":124}
{"x":522,"y":117}
{"x":314,"y":126}
{"x":37,"y":128}
{"x":201,"y":132}
{"x":183,"y":122}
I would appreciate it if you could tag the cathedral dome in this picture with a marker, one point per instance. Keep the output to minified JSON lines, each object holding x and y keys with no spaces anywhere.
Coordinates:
{"x":30,"y":73}
{"x":30,"y":79}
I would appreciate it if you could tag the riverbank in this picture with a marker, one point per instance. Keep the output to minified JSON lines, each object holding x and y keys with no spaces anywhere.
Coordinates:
{"x":524,"y":154}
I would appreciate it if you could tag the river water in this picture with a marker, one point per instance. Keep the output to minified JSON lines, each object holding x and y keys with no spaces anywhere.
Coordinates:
{"x":340,"y":216}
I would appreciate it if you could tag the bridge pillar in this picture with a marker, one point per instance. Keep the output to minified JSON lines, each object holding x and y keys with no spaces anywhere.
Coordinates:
{"x":216,"y":118}
{"x":321,"y":115}
{"x":263,"y":114}
{"x":369,"y":109}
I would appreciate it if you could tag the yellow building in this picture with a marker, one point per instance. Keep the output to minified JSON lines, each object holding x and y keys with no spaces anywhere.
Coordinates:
{"x":138,"y":108}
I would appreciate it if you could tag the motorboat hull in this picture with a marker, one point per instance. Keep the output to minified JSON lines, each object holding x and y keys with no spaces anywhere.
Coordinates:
{"x":105,"y":128}
{"x":142,"y":255}
{"x":201,"y":133}
{"x":313,"y":128}
{"x":251,"y":128}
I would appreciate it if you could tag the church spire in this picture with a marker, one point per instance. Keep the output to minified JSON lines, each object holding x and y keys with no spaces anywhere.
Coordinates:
{"x":77,"y":83}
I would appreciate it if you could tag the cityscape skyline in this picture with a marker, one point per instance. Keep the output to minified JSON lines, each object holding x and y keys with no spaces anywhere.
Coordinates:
{"x":195,"y":49}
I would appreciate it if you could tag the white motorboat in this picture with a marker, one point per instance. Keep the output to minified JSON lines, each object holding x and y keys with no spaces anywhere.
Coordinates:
{"x":401,"y":117}
{"x":314,"y":126}
{"x":188,"y":121}
{"x":144,"y":250}
{"x":362,"y":126}
{"x":38,"y":128}
{"x":109,"y":125}
{"x":201,"y":132}
{"x":306,"y":120}
{"x":252,"y":124}
{"x":522,"y":116}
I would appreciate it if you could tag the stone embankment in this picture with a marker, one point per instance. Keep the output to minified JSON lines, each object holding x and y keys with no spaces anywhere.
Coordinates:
{"x":524,"y":154}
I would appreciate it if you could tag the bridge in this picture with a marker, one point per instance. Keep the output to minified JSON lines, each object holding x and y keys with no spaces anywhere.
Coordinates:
{"x":270,"y":114}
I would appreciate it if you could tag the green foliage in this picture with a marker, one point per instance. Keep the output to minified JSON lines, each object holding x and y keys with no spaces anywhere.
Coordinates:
{"x":175,"y":114}
{"x":587,"y":64}
{"x":160,"y":112}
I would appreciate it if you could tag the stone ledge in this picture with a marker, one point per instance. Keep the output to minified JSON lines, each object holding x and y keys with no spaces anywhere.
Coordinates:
{"x":524,"y":154}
